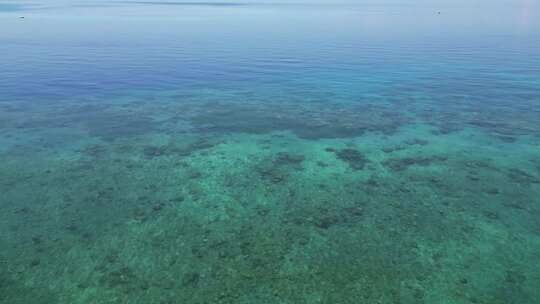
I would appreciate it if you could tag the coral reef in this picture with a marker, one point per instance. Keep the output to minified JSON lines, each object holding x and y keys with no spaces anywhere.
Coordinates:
{"x":354,"y":158}
{"x":247,"y":195}
{"x":225,"y":216}
{"x":400,"y":164}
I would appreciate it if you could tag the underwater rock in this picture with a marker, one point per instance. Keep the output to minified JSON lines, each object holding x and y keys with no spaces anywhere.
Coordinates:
{"x":325,"y":218}
{"x":400,"y":164}
{"x":111,"y":126}
{"x":416,"y":141}
{"x":487,"y":124}
{"x":354,"y":211}
{"x":140,"y":216}
{"x":392,"y":149}
{"x":507,"y":138}
{"x":354,"y":158}
{"x":123,"y":277}
{"x":273,"y":174}
{"x":154,"y":151}
{"x":34,"y":263}
{"x":37,"y":240}
{"x":473,"y":178}
{"x":95,"y":151}
{"x":201,"y":144}
{"x":446,"y":129}
{"x":322,"y":164}
{"x":276,"y":170}
{"x":493,"y":191}
{"x":286,"y":158}
{"x":262,"y":211}
{"x":193,"y":174}
{"x":5,"y":280}
{"x":170,"y":149}
{"x":479,"y":164}
{"x":320,"y":121}
{"x":71,"y":227}
{"x":514,"y":277}
{"x":521,"y":177}
{"x":516,"y":205}
{"x":22,"y":210}
{"x":327,"y":221}
{"x":198,"y":252}
{"x":86,"y":236}
{"x":191,"y":279}
{"x":112,"y":257}
{"x":178,"y":199}
{"x":158,"y":206}
{"x":372,"y":182}
{"x":492,"y":215}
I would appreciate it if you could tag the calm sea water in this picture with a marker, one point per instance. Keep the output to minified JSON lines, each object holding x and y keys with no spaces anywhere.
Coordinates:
{"x":258,"y":152}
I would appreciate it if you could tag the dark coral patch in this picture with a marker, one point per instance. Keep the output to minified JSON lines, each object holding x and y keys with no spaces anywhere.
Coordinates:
{"x":322,"y":164}
{"x":416,"y":141}
{"x":392,"y":149}
{"x":521,"y":177}
{"x":325,"y":218}
{"x":95,"y":151}
{"x":276,"y":170}
{"x":354,"y":158}
{"x":411,"y":142}
{"x":191,"y":279}
{"x":117,"y":127}
{"x":445,"y":129}
{"x":507,"y":138}
{"x":322,"y":121}
{"x":400,"y":164}
{"x":152,"y":151}
{"x":123,"y":278}
{"x":286,"y":159}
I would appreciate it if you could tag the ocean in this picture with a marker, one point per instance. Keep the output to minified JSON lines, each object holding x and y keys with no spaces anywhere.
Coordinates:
{"x":261,"y":152}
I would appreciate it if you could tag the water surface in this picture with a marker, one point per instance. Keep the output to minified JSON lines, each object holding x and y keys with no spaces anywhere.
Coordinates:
{"x":257,"y":152}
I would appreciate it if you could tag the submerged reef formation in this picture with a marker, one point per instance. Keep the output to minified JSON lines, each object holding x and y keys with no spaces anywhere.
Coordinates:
{"x":315,"y":122}
{"x":354,"y":158}
{"x":182,"y":149}
{"x":234,"y":201}
{"x":400,"y":164}
{"x":280,"y":167}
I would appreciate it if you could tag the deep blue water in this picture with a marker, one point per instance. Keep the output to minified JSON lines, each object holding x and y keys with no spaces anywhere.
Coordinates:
{"x":75,"y":49}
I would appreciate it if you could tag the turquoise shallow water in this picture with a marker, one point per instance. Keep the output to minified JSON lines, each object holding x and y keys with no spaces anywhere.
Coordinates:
{"x":249,"y":152}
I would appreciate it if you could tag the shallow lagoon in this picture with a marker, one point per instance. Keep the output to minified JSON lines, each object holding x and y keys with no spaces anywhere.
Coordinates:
{"x":269,"y":153}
